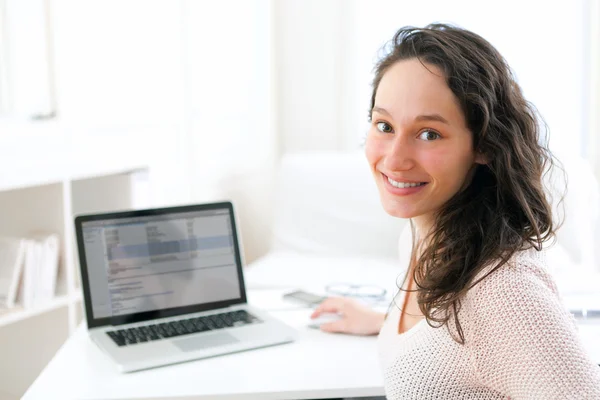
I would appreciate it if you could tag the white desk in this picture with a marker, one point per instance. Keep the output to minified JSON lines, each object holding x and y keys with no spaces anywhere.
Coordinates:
{"x":317,"y":365}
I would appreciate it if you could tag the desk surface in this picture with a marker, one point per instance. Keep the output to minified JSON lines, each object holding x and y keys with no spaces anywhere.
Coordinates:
{"x":317,"y":365}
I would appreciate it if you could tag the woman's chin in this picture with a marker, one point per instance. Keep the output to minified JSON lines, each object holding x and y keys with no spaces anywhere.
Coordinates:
{"x":400,"y":212}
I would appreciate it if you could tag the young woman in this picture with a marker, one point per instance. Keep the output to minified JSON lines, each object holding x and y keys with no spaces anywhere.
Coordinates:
{"x":455,"y":147}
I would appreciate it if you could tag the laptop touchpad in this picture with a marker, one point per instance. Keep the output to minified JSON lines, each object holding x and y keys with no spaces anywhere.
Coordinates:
{"x":204,"y":341}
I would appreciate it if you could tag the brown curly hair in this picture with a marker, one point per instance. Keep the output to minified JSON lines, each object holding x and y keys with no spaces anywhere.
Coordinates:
{"x":505,"y":208}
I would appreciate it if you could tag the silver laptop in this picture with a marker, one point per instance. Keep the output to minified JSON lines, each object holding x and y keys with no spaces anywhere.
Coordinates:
{"x":163,"y":286}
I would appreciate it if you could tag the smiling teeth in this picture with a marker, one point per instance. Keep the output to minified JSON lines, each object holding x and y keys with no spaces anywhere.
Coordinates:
{"x":404,"y":185}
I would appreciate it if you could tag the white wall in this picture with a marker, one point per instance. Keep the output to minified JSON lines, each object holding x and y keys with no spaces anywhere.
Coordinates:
{"x":190,"y":80}
{"x":229,"y":91}
{"x":309,"y":75}
{"x":326,"y":52}
{"x":593,"y":149}
{"x":119,"y":80}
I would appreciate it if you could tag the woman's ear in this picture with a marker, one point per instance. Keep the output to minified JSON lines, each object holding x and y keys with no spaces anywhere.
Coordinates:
{"x":480,"y":158}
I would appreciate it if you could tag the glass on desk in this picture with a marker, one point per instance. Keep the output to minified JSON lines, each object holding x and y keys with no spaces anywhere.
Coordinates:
{"x":369,"y":293}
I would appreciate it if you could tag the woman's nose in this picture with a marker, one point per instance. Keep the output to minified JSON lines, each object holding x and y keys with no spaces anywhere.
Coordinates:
{"x":399,"y":155}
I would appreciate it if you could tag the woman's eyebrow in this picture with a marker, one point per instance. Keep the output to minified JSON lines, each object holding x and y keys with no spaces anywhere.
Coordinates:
{"x":381,"y":111}
{"x":432,"y":117}
{"x":423,"y":117}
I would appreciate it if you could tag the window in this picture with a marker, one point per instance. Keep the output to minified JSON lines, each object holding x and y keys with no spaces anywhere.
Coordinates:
{"x":25,"y":59}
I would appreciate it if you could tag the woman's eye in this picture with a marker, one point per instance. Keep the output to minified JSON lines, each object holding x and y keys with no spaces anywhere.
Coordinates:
{"x":384,"y":127}
{"x":429,"y":135}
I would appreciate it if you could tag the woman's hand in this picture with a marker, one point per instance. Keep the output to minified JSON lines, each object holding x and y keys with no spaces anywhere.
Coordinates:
{"x":357,"y":319}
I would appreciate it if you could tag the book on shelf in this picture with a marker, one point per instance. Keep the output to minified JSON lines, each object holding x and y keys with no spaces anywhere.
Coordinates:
{"x":31,"y":269}
{"x":12,"y":256}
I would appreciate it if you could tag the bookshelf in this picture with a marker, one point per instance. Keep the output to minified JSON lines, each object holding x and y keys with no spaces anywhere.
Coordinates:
{"x":42,"y":191}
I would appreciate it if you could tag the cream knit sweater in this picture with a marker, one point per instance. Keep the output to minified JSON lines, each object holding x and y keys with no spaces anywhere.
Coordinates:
{"x":520,"y":343}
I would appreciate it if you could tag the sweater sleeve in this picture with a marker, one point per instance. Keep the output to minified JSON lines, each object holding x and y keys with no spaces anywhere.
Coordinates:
{"x":522,"y":342}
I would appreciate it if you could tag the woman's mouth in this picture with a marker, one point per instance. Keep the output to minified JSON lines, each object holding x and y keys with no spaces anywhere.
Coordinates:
{"x":403,"y":187}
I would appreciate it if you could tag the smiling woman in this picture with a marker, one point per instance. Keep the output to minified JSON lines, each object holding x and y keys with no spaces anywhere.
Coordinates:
{"x":419,"y":146}
{"x":454,"y":146}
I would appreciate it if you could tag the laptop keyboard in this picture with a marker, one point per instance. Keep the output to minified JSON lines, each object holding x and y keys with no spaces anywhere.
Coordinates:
{"x":141,"y":334}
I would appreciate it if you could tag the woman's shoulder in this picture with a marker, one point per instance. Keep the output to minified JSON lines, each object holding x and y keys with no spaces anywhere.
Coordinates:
{"x":520,"y":292}
{"x":524,"y":274}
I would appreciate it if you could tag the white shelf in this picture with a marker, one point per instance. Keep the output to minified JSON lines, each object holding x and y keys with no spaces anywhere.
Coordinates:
{"x":9,"y":316}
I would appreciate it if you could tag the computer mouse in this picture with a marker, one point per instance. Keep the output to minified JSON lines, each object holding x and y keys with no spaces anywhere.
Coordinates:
{"x":324,"y":319}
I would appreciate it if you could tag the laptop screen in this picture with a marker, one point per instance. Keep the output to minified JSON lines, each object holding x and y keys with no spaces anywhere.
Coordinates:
{"x":142,"y":264}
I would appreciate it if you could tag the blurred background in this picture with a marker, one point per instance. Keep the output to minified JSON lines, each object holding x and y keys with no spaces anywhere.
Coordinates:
{"x":108,"y":104}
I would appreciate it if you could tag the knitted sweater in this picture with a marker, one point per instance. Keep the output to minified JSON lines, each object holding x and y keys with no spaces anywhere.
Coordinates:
{"x":520,"y":343}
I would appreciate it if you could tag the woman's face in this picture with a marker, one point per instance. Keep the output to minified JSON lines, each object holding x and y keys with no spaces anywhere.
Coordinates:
{"x":419,"y":147}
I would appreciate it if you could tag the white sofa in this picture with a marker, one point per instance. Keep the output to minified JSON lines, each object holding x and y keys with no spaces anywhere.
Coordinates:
{"x":321,"y":214}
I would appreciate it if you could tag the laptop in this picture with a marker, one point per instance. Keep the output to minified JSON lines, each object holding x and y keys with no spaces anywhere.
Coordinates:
{"x":166,"y":285}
